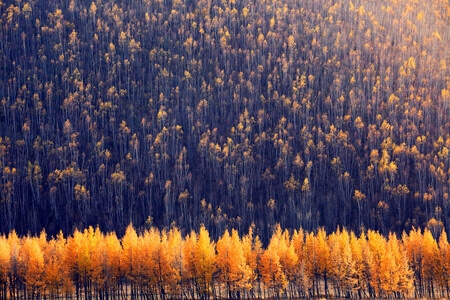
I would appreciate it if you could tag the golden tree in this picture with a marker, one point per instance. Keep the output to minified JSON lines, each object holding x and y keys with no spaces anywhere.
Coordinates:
{"x":361,"y":257}
{"x":200,"y":258}
{"x":443,"y":277}
{"x":165,"y":260}
{"x":377,"y":246}
{"x":271,"y":272}
{"x":303,"y":278}
{"x":57,"y":275}
{"x":113,"y":265}
{"x":413,"y":243}
{"x":150,"y":241}
{"x":133,"y":263}
{"x":252,"y":248}
{"x":324,"y":254}
{"x":404,"y":285}
{"x":232,"y":266}
{"x":31,"y":266}
{"x":5,"y":266}
{"x":431,"y":262}
{"x":174,"y":246}
{"x":342,"y":268}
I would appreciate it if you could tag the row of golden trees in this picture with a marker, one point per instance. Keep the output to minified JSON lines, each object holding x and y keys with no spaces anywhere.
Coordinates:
{"x":224,"y":113}
{"x":168,"y":264}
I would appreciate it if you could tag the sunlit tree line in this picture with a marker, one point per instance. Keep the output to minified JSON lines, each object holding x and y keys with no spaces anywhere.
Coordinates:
{"x":160,"y":264}
{"x":224,"y":113}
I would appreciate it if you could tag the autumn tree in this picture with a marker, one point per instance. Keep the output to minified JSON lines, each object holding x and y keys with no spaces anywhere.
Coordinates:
{"x":271,"y":272}
{"x":430,"y":264}
{"x":4,"y":265}
{"x":343,"y":266}
{"x":31,"y":266}
{"x":57,"y":274}
{"x":133,"y":264}
{"x":231,"y":263}
{"x":200,"y":259}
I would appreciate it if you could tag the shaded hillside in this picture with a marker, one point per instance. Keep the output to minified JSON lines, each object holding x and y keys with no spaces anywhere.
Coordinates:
{"x":224,"y":113}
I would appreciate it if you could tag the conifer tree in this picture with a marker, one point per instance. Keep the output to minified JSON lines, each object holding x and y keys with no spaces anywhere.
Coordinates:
{"x":271,"y":272}
{"x":343,"y":267}
{"x":431,"y":263}
{"x":5,"y":257}
{"x":232,"y":266}
{"x":414,"y":251}
{"x":57,"y":274}
{"x":31,"y":266}
{"x":200,"y":257}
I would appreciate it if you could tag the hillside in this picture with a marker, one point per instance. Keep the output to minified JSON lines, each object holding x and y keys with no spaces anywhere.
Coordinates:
{"x":224,"y":113}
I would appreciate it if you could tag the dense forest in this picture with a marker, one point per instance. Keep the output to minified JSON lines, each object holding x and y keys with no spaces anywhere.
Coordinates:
{"x":166,"y":264}
{"x":224,"y":113}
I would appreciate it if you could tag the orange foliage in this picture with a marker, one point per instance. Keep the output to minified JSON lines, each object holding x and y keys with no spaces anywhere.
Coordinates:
{"x":165,"y":264}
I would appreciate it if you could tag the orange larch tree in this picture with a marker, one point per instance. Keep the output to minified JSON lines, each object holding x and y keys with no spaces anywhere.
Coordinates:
{"x":5,"y":266}
{"x":190,"y":271}
{"x":205,"y":258}
{"x":270,"y":271}
{"x":288,"y":257}
{"x":360,"y":256}
{"x":342,"y":268}
{"x":431,"y":263}
{"x":113,"y":265}
{"x":57,"y":274}
{"x":303,"y":278}
{"x":404,"y":286}
{"x":444,"y":268}
{"x":31,"y":266}
{"x":132,"y":260}
{"x":413,"y":243}
{"x":377,"y":246}
{"x":323,"y":257}
{"x":175,"y":251}
{"x":200,"y":257}
{"x":167,"y":264}
{"x":149,"y":242}
{"x":232,"y":267}
{"x":252,"y":247}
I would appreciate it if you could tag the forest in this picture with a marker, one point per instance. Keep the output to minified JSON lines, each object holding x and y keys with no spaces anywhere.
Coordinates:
{"x":168,"y":264}
{"x":224,"y":113}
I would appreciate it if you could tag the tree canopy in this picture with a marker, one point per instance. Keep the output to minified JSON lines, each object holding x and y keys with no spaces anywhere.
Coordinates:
{"x":224,"y":113}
